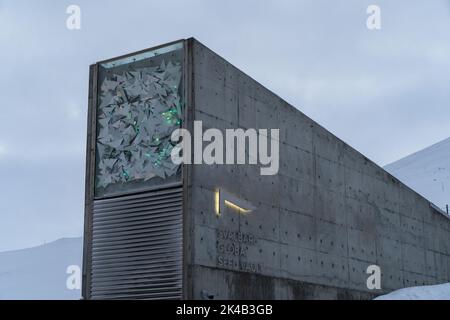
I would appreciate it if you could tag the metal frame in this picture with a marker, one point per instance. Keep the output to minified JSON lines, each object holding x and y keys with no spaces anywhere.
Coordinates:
{"x":89,"y":181}
{"x":186,"y":169}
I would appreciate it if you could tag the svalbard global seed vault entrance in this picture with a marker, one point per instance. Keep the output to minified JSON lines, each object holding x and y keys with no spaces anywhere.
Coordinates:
{"x":155,"y":229}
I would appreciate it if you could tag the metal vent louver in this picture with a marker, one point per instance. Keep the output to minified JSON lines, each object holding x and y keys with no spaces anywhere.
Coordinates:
{"x":137,"y":246}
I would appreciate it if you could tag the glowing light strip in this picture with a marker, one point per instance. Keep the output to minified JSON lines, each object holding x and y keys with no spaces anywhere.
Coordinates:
{"x":236,"y":207}
{"x":217,"y":202}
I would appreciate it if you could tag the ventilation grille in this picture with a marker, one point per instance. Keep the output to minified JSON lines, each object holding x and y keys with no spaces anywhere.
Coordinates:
{"x":137,"y":246}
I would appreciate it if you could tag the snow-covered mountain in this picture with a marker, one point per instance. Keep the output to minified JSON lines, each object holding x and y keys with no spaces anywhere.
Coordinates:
{"x":427,"y":172}
{"x":41,"y":272}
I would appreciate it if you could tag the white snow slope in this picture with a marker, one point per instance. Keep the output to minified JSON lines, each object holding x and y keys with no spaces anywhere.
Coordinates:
{"x":40,"y":272}
{"x":436,"y":292}
{"x":427,"y":172}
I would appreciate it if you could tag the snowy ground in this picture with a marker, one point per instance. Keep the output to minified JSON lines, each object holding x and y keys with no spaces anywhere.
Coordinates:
{"x":436,"y":292}
{"x":40,"y":272}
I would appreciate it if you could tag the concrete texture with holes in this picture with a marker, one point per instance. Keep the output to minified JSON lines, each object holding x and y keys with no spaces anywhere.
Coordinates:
{"x":318,"y":224}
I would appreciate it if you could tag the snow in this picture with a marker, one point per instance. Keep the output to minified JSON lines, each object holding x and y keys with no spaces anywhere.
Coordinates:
{"x":427,"y":172}
{"x":435,"y":292}
{"x":40,"y":272}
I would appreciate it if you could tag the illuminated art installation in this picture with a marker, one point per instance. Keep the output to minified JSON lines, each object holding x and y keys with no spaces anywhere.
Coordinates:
{"x":138,"y":111}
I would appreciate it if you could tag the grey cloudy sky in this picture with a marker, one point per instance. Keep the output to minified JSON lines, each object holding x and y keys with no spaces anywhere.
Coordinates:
{"x":384,"y":92}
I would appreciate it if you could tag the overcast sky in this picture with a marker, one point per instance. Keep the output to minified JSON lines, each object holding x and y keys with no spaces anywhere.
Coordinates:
{"x":384,"y":92}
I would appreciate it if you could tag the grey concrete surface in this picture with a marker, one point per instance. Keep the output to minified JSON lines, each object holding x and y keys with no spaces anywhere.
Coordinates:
{"x":320,"y":222}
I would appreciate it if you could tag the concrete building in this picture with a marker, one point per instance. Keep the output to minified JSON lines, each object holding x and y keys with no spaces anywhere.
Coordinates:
{"x":157,"y":230}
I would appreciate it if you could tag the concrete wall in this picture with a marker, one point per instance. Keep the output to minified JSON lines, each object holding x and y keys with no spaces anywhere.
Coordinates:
{"x":319,"y":223}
